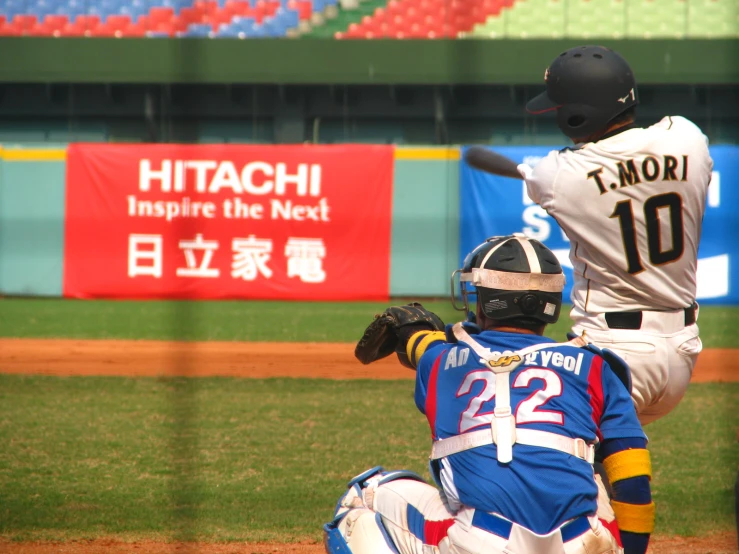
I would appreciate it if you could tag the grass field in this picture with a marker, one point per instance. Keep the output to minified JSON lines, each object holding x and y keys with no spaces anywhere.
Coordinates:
{"x":240,"y":459}
{"x":225,"y":459}
{"x":253,"y":320}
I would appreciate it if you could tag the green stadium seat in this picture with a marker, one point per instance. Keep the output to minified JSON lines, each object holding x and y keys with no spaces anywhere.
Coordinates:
{"x":713,"y":19}
{"x":656,"y":18}
{"x":613,"y":19}
{"x":526,"y":19}
{"x":595,"y":18}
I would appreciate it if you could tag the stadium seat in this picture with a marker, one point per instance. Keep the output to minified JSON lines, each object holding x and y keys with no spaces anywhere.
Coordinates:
{"x":197,"y":30}
{"x":401,"y":19}
{"x":712,"y":19}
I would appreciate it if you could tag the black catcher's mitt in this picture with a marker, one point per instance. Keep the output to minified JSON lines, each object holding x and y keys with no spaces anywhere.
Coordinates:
{"x":392,"y":328}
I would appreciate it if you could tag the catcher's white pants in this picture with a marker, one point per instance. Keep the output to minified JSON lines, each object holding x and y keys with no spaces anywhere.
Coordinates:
{"x":661,"y":355}
{"x":443,"y":532}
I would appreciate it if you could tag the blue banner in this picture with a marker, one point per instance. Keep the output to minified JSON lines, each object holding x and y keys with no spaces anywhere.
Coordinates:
{"x":492,"y":205}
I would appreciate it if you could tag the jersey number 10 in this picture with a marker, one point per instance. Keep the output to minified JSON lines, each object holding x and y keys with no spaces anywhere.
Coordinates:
{"x":657,"y":256}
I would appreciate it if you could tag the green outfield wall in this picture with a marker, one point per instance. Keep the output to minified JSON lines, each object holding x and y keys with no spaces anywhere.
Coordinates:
{"x":425,"y":232}
{"x":31,"y":221}
{"x":425,"y":221}
{"x":307,"y":61}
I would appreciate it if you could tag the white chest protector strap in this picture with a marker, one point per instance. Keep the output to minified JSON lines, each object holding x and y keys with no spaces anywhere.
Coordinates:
{"x":503,"y":431}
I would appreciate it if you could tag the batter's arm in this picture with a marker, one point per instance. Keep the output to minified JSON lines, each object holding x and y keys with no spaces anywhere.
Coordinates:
{"x":486,"y":160}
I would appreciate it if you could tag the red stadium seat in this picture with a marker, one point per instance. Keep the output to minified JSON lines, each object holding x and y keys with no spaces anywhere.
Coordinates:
{"x":417,"y":19}
{"x":56,"y":22}
{"x":132,"y":29}
{"x":87,"y":21}
{"x":102,"y":30}
{"x":238,"y":7}
{"x":208,"y":7}
{"x":394,"y":7}
{"x":117,"y":22}
{"x":264,"y":9}
{"x":221,"y":17}
{"x":416,"y":31}
{"x":72,"y":30}
{"x":160,"y":14}
{"x":354,"y":31}
{"x":40,"y":30}
{"x":163,"y":27}
{"x":191,"y":15}
{"x":9,"y":30}
{"x":303,"y":7}
{"x":144,"y":22}
{"x":24,"y":22}
{"x":179,"y":25}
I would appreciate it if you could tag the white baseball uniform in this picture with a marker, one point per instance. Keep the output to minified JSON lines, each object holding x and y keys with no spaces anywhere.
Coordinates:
{"x":632,"y":206}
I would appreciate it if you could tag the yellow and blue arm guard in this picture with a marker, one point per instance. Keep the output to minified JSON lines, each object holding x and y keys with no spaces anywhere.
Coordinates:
{"x":419,"y":342}
{"x":629,"y":472}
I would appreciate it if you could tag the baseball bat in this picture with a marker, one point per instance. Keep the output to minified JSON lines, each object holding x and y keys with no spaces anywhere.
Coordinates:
{"x":486,"y":160}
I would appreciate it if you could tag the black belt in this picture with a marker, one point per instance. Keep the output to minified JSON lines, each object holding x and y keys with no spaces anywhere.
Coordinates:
{"x":632,"y":320}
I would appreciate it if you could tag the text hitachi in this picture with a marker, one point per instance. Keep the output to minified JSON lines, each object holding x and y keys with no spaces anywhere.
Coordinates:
{"x":209,"y":176}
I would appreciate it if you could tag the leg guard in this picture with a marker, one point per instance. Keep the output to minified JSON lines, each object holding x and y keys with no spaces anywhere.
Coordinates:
{"x":356,"y":529}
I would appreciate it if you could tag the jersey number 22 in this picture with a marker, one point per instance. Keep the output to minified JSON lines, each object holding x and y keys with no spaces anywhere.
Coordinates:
{"x":527,"y":410}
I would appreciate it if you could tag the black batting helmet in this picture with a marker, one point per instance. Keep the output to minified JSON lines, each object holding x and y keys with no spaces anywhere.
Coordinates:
{"x":588,"y":86}
{"x":514,"y":277}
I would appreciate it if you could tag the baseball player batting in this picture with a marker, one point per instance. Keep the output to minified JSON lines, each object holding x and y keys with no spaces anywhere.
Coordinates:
{"x":631,"y":201}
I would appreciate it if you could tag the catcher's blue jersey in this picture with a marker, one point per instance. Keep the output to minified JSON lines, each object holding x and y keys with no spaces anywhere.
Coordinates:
{"x":561,"y":389}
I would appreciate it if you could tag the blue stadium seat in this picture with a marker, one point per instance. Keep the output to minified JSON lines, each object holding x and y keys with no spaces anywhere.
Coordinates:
{"x":111,"y":6}
{"x":176,"y":5}
{"x":198,"y":30}
{"x":94,"y":10}
{"x":39,"y":12}
{"x":75,"y":4}
{"x":257,"y":32}
{"x":243,"y":23}
{"x":270,"y":27}
{"x":227,"y":31}
{"x":290,"y":18}
{"x":134,"y":12}
{"x":71,"y":12}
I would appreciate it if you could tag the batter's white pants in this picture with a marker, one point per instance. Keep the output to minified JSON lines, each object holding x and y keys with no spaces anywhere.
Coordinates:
{"x":419,"y":522}
{"x":661,"y":355}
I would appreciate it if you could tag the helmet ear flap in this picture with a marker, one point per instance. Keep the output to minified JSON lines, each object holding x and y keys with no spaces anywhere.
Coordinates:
{"x":528,"y":303}
{"x":580,"y":120}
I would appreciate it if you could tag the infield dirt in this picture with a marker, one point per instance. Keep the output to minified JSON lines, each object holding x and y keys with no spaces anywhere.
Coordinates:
{"x":241,"y":359}
{"x":724,"y":543}
{"x":260,"y":360}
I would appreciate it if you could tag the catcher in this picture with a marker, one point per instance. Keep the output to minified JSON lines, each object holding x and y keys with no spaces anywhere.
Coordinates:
{"x":515,"y":419}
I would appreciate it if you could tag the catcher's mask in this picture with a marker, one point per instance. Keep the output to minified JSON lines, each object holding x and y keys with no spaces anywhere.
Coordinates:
{"x":588,"y":86}
{"x":513,"y":277}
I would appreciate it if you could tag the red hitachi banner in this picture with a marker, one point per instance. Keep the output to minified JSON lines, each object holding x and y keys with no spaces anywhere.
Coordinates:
{"x":213,"y":221}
